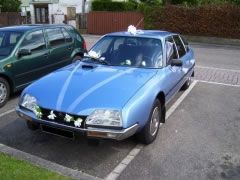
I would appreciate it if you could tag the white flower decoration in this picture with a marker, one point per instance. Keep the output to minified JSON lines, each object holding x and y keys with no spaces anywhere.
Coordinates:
{"x":94,"y":54}
{"x":128,"y":62}
{"x":78,"y":122}
{"x":52,"y":115}
{"x":68,"y":118}
{"x":132,"y":29}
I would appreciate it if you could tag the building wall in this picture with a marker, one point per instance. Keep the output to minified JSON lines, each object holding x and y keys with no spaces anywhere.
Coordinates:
{"x":58,"y":8}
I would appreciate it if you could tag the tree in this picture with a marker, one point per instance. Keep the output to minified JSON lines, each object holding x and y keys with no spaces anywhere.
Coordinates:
{"x":10,"y":5}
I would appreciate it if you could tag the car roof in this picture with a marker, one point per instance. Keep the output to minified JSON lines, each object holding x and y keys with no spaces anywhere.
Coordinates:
{"x":27,"y":27}
{"x":144,"y":33}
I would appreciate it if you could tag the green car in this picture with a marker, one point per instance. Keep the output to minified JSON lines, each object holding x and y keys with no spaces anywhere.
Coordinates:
{"x":31,"y":51}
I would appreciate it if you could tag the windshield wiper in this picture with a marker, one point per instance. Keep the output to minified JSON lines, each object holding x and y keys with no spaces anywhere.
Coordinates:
{"x":99,"y":60}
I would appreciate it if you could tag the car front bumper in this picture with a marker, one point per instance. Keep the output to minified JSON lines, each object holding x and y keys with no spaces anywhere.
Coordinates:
{"x":90,"y":132}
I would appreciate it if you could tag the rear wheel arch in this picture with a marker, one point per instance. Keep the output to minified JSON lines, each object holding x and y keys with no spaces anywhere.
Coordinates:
{"x":161,"y":98}
{"x":79,"y":54}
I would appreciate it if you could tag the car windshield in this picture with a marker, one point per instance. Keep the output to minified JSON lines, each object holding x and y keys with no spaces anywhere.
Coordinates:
{"x":8,"y":41}
{"x":127,"y":51}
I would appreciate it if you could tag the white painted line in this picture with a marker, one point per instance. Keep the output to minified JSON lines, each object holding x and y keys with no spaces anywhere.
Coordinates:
{"x":216,"y":83}
{"x":137,"y":149}
{"x":7,"y":112}
{"x":75,"y":174}
{"x":221,"y":69}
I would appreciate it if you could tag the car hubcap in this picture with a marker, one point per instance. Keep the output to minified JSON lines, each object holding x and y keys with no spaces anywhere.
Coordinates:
{"x":154,"y":121}
{"x":3,"y":92}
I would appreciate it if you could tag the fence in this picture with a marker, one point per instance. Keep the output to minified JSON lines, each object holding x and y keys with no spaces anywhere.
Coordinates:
{"x":102,"y":22}
{"x":12,"y":18}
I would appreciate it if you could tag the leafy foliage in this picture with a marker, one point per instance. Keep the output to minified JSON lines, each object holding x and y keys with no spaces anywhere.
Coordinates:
{"x":109,"y":5}
{"x":10,"y":5}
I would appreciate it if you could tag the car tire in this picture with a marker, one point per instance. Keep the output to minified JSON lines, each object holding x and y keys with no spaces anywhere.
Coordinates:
{"x":77,"y":57}
{"x":4,"y":91}
{"x":187,"y":83}
{"x":32,"y":126}
{"x":149,"y":133}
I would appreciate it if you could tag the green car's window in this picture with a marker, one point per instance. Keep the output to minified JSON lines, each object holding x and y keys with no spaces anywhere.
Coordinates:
{"x":34,"y":41}
{"x":8,"y":41}
{"x":55,"y":37}
{"x":67,"y":36}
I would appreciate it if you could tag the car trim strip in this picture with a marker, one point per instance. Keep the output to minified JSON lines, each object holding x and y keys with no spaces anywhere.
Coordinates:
{"x":65,"y":87}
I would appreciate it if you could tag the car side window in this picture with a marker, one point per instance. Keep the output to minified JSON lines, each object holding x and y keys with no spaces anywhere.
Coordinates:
{"x":34,"y":41}
{"x":171,"y":50}
{"x":186,"y":44}
{"x":67,"y":36}
{"x":55,"y":37}
{"x":180,"y":46}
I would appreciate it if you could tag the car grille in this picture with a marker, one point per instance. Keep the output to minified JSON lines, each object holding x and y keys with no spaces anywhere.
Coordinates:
{"x":60,"y":117}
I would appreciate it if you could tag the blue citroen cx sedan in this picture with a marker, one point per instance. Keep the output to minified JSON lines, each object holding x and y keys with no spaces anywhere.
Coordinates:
{"x":120,"y":88}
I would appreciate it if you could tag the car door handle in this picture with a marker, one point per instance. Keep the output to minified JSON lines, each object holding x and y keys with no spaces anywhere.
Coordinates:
{"x":45,"y":55}
{"x":70,"y":48}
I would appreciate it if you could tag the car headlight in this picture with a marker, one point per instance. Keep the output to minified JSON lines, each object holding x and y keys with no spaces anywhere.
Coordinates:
{"x":105,"y":118}
{"x":29,"y":102}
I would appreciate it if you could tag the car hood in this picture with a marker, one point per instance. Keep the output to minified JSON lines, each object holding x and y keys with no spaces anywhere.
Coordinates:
{"x":81,"y":88}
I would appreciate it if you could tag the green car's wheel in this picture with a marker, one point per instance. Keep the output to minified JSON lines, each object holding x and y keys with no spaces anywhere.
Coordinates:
{"x":4,"y":91}
{"x":150,"y":130}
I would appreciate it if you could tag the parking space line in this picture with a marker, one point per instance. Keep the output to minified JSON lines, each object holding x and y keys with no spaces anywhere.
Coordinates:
{"x":217,"y":83}
{"x":221,"y":69}
{"x":137,"y":149}
{"x":7,"y":112}
{"x":46,"y":164}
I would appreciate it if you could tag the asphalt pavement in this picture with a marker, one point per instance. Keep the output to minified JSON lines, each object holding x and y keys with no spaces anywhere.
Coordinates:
{"x":200,"y":140}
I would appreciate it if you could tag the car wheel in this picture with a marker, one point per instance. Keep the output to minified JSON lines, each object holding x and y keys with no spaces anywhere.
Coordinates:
{"x":150,"y":130}
{"x":75,"y":58}
{"x":187,"y":83}
{"x":4,"y":92}
{"x":32,"y":126}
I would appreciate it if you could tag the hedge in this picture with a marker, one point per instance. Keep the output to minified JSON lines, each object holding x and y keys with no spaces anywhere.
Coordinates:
{"x":217,"y":21}
{"x":108,"y":5}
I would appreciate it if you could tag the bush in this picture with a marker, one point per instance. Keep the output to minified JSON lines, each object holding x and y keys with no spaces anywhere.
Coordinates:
{"x":108,"y":5}
{"x":216,"y":21}
{"x":10,"y":5}
{"x":237,"y":2}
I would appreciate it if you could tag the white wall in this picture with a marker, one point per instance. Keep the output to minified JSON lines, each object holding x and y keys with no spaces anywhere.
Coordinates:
{"x":61,"y":9}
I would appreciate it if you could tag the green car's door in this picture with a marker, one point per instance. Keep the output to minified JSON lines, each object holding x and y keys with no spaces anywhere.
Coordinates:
{"x":31,"y":59}
{"x":60,"y":45}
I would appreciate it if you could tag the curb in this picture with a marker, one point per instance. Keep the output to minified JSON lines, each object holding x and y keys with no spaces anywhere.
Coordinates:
{"x":51,"y":166}
{"x":213,"y":40}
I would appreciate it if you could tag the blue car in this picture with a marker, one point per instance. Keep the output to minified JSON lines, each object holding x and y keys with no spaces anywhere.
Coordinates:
{"x":120,"y":87}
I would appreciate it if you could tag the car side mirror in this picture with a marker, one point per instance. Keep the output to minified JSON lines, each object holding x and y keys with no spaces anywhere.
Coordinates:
{"x":176,"y":62}
{"x":24,"y":52}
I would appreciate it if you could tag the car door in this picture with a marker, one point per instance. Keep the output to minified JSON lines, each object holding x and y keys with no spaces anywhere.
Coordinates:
{"x":30,"y":66}
{"x":184,"y":56}
{"x":174,"y":74}
{"x":60,"y":45}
